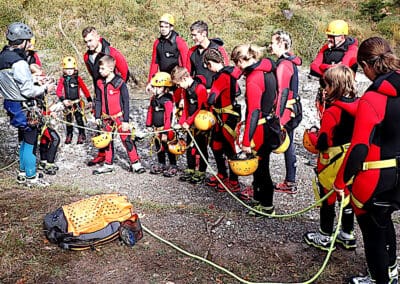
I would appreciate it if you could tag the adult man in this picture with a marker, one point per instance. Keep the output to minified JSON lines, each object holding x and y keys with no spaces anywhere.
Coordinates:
{"x":97,"y":48}
{"x":339,"y":49}
{"x":18,"y":89}
{"x":169,"y":50}
{"x":195,"y":64}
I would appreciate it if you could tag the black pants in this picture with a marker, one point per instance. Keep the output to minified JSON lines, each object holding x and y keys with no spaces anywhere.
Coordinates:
{"x":379,"y":240}
{"x":191,"y":153}
{"x":78,"y":118}
{"x":162,"y":150}
{"x":48,"y":145}
{"x":327,"y":217}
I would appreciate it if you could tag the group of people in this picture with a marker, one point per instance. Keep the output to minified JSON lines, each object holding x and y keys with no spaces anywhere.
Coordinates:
{"x":195,"y":91}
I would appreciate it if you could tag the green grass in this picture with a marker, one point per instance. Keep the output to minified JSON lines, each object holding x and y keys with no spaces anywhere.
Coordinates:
{"x":132,"y":26}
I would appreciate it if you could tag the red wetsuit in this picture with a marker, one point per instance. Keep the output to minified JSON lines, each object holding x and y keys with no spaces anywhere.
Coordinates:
{"x":168,"y":53}
{"x":195,"y":64}
{"x":112,"y":105}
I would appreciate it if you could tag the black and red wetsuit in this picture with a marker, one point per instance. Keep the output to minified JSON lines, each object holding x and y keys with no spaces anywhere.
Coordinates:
{"x":112,"y":106}
{"x":261,"y":94}
{"x":288,"y":106}
{"x":345,"y":54}
{"x":69,"y":88}
{"x":92,"y":64}
{"x":195,"y":99}
{"x":222,"y":100}
{"x":159,"y":116}
{"x":337,"y":126}
{"x":168,"y":53}
{"x":195,"y":63}
{"x":375,"y":193}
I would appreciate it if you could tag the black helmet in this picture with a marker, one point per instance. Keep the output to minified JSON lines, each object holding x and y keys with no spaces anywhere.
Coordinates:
{"x":18,"y":31}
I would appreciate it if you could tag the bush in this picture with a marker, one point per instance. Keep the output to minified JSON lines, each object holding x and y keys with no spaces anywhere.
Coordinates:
{"x":374,"y":9}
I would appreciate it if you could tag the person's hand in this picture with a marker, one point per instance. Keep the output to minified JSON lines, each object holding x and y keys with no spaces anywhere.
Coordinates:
{"x":185,"y":126}
{"x":89,"y":105}
{"x":149,"y":129}
{"x":181,"y":104}
{"x":99,"y":122}
{"x":50,"y":87}
{"x":176,"y":126}
{"x":246,"y":149}
{"x":164,"y":137}
{"x":125,"y":126}
{"x":67,"y":103}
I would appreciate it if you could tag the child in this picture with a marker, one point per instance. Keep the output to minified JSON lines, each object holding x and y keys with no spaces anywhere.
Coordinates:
{"x":194,"y":96}
{"x":159,"y":117}
{"x":68,"y":90}
{"x":222,"y":98}
{"x":112,"y":111}
{"x":337,"y":125}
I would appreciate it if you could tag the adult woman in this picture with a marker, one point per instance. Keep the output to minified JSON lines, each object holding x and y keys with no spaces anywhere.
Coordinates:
{"x":372,"y":160}
{"x":261,"y":94}
{"x":288,"y":105}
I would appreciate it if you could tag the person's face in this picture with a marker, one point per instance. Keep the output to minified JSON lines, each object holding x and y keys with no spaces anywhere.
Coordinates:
{"x":105,"y":70}
{"x":158,"y":90}
{"x":69,"y":71}
{"x":368,"y":71}
{"x":335,"y":40}
{"x":276,"y":46}
{"x":241,"y":64}
{"x":212,"y":66}
{"x":184,"y":83}
{"x":198,"y":37}
{"x":92,"y":40}
{"x":165,"y":29}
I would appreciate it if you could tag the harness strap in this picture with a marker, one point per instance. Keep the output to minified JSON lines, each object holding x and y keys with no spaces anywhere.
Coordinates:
{"x":356,"y":202}
{"x":227,"y":109}
{"x":332,"y":153}
{"x":383,"y":164}
{"x":230,"y":130}
{"x":105,"y":116}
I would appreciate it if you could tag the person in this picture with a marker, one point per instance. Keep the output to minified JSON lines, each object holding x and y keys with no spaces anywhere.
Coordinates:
{"x":169,"y":50}
{"x":261,"y":94}
{"x":339,"y":49}
{"x":222,"y":100}
{"x":372,"y":161}
{"x":17,"y":87}
{"x":194,"y":95}
{"x":159,"y":118}
{"x":288,"y":106}
{"x":195,"y":61}
{"x":112,"y":112}
{"x":97,"y":47}
{"x":32,"y":56}
{"x":69,"y":89}
{"x":337,"y":125}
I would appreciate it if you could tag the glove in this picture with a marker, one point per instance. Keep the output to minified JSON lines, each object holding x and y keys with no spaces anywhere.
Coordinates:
{"x":125,"y":126}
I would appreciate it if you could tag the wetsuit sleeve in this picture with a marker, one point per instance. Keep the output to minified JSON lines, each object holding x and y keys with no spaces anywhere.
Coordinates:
{"x":253,"y":102}
{"x":350,"y":57}
{"x":149,"y":117}
{"x":98,"y":102}
{"x":153,"y":64}
{"x":120,"y":63}
{"x":125,"y":102}
{"x":60,"y":89}
{"x":183,"y":51}
{"x":84,"y":89}
{"x":37,"y":59}
{"x":315,"y":69}
{"x":189,"y":62}
{"x":218,"y":86}
{"x":284,"y":73}
{"x":328,"y":124}
{"x":367,"y":118}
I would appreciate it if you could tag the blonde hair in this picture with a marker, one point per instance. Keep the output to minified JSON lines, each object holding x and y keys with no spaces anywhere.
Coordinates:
{"x":108,"y":61}
{"x":341,"y":80}
{"x":247,"y":51}
{"x":178,"y":73}
{"x":377,"y":53}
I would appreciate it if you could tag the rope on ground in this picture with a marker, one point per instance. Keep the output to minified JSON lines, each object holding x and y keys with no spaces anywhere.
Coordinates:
{"x":326,"y":260}
{"x":8,"y":166}
{"x":246,"y":205}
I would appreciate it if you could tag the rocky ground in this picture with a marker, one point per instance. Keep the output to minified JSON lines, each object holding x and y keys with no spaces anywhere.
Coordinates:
{"x":198,"y":219}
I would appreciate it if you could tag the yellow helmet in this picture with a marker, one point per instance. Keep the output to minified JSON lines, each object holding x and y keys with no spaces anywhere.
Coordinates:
{"x":284,"y":144}
{"x":337,"y":27}
{"x":161,"y":79}
{"x":32,"y":45}
{"x":168,"y":18}
{"x":101,"y":141}
{"x":69,"y":63}
{"x":243,"y":164}
{"x":177,"y":147}
{"x":310,"y":138}
{"x":204,"y":120}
